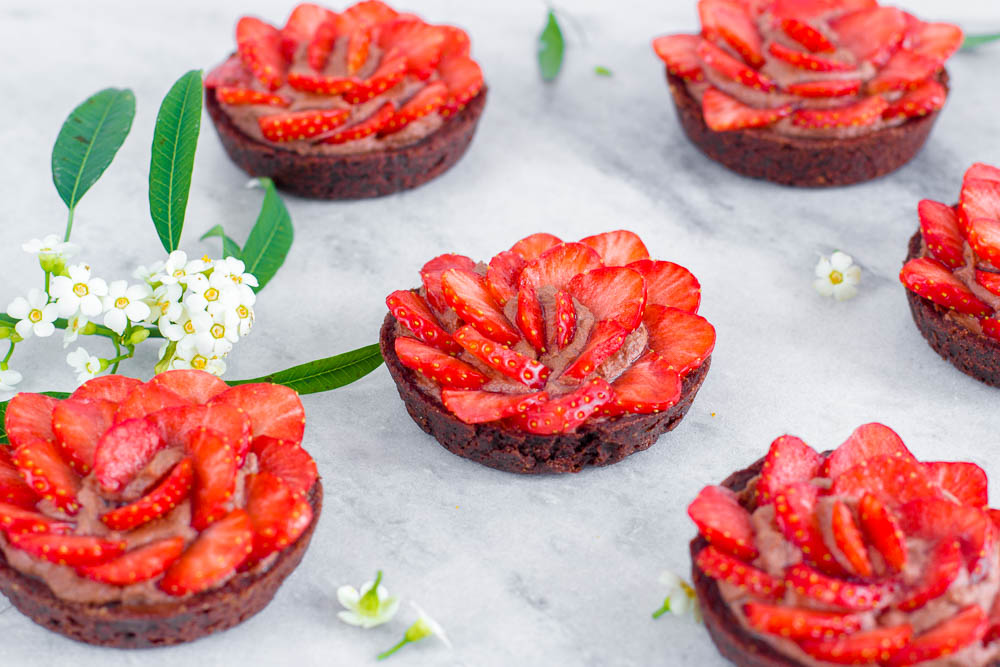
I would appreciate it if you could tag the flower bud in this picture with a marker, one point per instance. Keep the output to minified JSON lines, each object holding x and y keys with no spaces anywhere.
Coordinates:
{"x":89,"y":329}
{"x":138,"y":335}
{"x":5,"y":332}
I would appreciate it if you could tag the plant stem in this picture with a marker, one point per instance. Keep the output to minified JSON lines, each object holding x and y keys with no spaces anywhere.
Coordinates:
{"x":47,"y":276}
{"x":385,"y":654}
{"x":10,"y":353}
{"x":61,"y":323}
{"x":69,"y":224}
{"x":118,"y":355}
{"x":662,"y":610}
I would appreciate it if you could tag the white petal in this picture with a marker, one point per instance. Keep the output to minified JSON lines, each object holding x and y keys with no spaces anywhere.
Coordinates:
{"x":18,"y":308}
{"x":137,"y":311}
{"x":23,"y":329}
{"x":60,"y":286}
{"x":823,"y":267}
{"x":350,"y":618}
{"x":348,"y":597}
{"x":98,"y":286}
{"x":853,"y":275}
{"x":44,"y":329}
{"x":115,"y":320}
{"x":91,"y":305}
{"x":844,"y":291}
{"x":841,"y":261}
{"x":823,"y":286}
{"x":37,"y":298}
{"x":50,"y":312}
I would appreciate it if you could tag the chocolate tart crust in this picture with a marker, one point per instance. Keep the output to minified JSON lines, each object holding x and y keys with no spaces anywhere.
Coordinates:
{"x":511,"y":450}
{"x":358,"y":176}
{"x":801,"y":161}
{"x":973,"y":354}
{"x":162,"y":624}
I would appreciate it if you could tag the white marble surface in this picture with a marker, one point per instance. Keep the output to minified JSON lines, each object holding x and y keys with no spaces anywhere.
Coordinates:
{"x":532,"y":571}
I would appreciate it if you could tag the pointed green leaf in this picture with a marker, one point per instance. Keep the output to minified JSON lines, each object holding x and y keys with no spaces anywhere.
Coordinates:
{"x":326,"y":374}
{"x":270,"y":239}
{"x":972,"y":41}
{"x":89,"y":140}
{"x":174,"y":143}
{"x":3,"y":413}
{"x":230,"y":248}
{"x":550,"y":48}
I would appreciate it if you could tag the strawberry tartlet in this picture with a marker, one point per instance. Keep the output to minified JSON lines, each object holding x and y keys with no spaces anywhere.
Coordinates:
{"x":862,"y":556}
{"x":346,"y":105}
{"x":554,"y":356}
{"x":809,"y":93}
{"x":952,"y":275}
{"x":147,"y":514}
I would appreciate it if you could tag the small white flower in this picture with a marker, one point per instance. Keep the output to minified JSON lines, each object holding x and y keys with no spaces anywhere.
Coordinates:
{"x":424,"y":626}
{"x":8,"y":380}
{"x":187,"y":324}
{"x":681,"y":599}
{"x":84,"y":364}
{"x":368,"y":608}
{"x":35,"y":313}
{"x":165,"y":303}
{"x":147,"y":273}
{"x":187,"y":355}
{"x":216,"y":293}
{"x":79,"y":292}
{"x":74,"y":326}
{"x":50,"y":246}
{"x":125,"y":303}
{"x":235,"y":270}
{"x":837,"y":276}
{"x":178,"y":269}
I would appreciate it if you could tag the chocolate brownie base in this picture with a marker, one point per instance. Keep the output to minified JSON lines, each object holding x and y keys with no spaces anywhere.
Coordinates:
{"x":163,"y":624}
{"x":357,"y":176}
{"x":804,"y":162}
{"x":969,"y":352}
{"x":511,"y":450}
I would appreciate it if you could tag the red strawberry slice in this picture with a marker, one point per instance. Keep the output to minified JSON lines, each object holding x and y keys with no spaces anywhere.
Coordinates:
{"x":141,"y":564}
{"x":466,"y":292}
{"x":989,"y":280}
{"x":243,"y":96}
{"x":788,"y":461}
{"x":927,"y":97}
{"x":322,"y":84}
{"x":946,"y":638}
{"x":195,"y":386}
{"x":939,"y":226}
{"x":430,"y":98}
{"x":942,"y":570}
{"x":440,"y":367}
{"x":807,"y":36}
{"x":529,"y":317}
{"x":112,"y":388}
{"x":431,"y":272}
{"x":531,"y":247}
{"x":301,"y":125}
{"x":565,"y":319}
{"x":724,"y":113}
{"x":869,"y":647}
{"x":287,"y":461}
{"x":611,"y":293}
{"x":358,"y":47}
{"x":618,"y":248}
{"x":937,"y":518}
{"x":558,"y":265}
{"x":680,"y":53}
{"x":683,"y":339}
{"x":826,"y":88}
{"x":931,"y":280}
{"x":723,"y":522}
{"x":720,"y":565}
{"x":849,"y":541}
{"x":964,"y":482}
{"x":422,"y":44}
{"x":795,"y":513}
{"x":980,"y":198}
{"x":501,"y":358}
{"x":216,"y":553}
{"x":259,"y":47}
{"x":47,"y":474}
{"x":807,"y":60}
{"x":565,"y":413}
{"x":991,"y":327}
{"x":321,"y":43}
{"x":158,"y":502}
{"x":871,"y":34}
{"x":302,"y":24}
{"x":370,"y":12}
{"x":13,"y":488}
{"x":502,"y":276}
{"x":937,"y":41}
{"x":865,"y":443}
{"x":146,"y":399}
{"x":894,"y":480}
{"x":477,"y":407}
{"x":836,"y":592}
{"x":214,"y":463}
{"x":883,"y":531}
{"x":649,"y":385}
{"x":812,"y":9}
{"x":606,"y":338}
{"x":984,"y":237}
{"x":17,"y":519}
{"x":67,"y":549}
{"x":980,"y":171}
{"x":731,"y":68}
{"x":862,"y":113}
{"x":456,"y":42}
{"x":797,"y":623}
{"x":230,"y":73}
{"x":278,"y":515}
{"x":78,"y":425}
{"x":669,"y":284}
{"x":123,"y":451}
{"x":464,"y":79}
{"x":413,"y":313}
{"x":273,"y":409}
{"x":390,"y":72}
{"x":230,"y":422}
{"x":732,"y":23}
{"x":904,"y":70}
{"x":29,"y":417}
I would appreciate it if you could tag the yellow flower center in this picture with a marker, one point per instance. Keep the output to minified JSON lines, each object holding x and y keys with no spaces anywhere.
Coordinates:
{"x":243,"y":312}
{"x":121,"y":302}
{"x":199,"y":362}
{"x":178,"y":273}
{"x":189,"y":327}
{"x":81,"y":289}
{"x":237,"y":279}
{"x":836,"y":277}
{"x":218,"y":330}
{"x":35,"y":315}
{"x":211,"y":294}
{"x":206,"y":259}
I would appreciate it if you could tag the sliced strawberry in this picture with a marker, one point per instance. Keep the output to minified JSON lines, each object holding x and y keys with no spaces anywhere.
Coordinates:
{"x":807,"y":60}
{"x":927,"y":97}
{"x":980,"y":171}
{"x":301,"y":125}
{"x":158,"y":502}
{"x":195,"y":386}
{"x":146,"y":399}
{"x":78,"y":425}
{"x":302,"y":24}
{"x":618,"y":248}
{"x":278,"y":515}
{"x":412,"y":312}
{"x":440,"y":367}
{"x":937,"y":518}
{"x":807,"y":36}
{"x":865,"y":443}
{"x":477,"y":407}
{"x":215,"y":467}
{"x":124,"y":450}
{"x":259,"y":46}
{"x":232,"y":423}
{"x":422,"y":44}
{"x":67,"y":549}
{"x":788,"y":461}
{"x":871,"y":34}
{"x":965,"y":482}
{"x":140,"y":564}
{"x":724,"y":113}
{"x":894,"y":480}
{"x":939,"y":227}
{"x":529,"y":317}
{"x":565,"y":413}
{"x":731,"y":68}
{"x":798,"y":623}
{"x":242,"y":96}
{"x":18,"y":519}
{"x":429,"y":99}
{"x":905,"y":70}
{"x":321,"y":44}
{"x":991,"y":327}
{"x":558,"y":265}
{"x":937,"y":41}
{"x":649,"y":385}
{"x":456,"y":42}
{"x":606,"y":338}
{"x":942,"y":570}
{"x":865,"y":112}
{"x":112,"y":388}
{"x":531,"y":247}
{"x":849,"y":541}
{"x":287,"y":461}
{"x":216,"y":553}
{"x":464,"y":79}
{"x":680,"y":53}
{"x":565,"y":319}
{"x":795,"y":513}
{"x":13,"y":488}
{"x":836,"y":592}
{"x":501,"y":358}
{"x":732,"y":23}
{"x":980,"y":199}
{"x":989,"y":280}
{"x":322,"y":84}
{"x":358,"y":47}
{"x":273,"y":409}
{"x":370,"y":12}
{"x":466,"y":292}
{"x":931,"y":280}
{"x":868,"y":647}
{"x":724,"y":567}
{"x":611,"y":293}
{"x":826,"y":88}
{"x":945,"y":638}
{"x":669,"y":284}
{"x":390,"y":72}
{"x":723,"y":522}
{"x":984,"y":237}
{"x":883,"y":531}
{"x":47,"y":474}
{"x":683,"y":339}
{"x":431,"y":272}
{"x":502,"y":275}
{"x":29,"y":417}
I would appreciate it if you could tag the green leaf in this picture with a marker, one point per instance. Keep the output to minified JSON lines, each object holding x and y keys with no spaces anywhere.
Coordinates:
{"x":326,"y":374}
{"x":601,"y":70}
{"x":230,"y":248}
{"x":270,"y":239}
{"x":174,"y":142}
{"x":972,"y":41}
{"x":3,"y":413}
{"x":550,"y":48}
{"x":89,"y":140}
